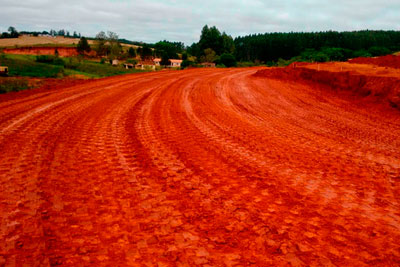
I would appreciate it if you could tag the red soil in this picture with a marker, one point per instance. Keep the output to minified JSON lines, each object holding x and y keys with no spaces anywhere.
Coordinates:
{"x":373,"y":84}
{"x":385,"y":61}
{"x":62,"y":51}
{"x":212,"y":167}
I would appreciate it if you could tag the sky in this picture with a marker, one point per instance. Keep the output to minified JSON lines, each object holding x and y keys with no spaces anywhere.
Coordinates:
{"x":182,"y":20}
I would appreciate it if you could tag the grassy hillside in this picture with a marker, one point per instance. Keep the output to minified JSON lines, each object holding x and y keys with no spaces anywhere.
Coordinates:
{"x":28,"y":66}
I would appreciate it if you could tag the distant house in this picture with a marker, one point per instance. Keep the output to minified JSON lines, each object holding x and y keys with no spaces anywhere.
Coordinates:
{"x":208,"y":65}
{"x":146,"y":65}
{"x":128,"y":66}
{"x":175,"y":63}
{"x":3,"y":71}
{"x":157,"y":61}
{"x":115,"y":62}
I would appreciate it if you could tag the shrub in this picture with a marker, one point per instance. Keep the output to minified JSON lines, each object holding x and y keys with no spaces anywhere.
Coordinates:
{"x":71,"y":63}
{"x":361,"y":53}
{"x":83,"y":46}
{"x":13,"y":85}
{"x":378,"y":51}
{"x":187,"y":63}
{"x":45,"y":59}
{"x":228,"y":60}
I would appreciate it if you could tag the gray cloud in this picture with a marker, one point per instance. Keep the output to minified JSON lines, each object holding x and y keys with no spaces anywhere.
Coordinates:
{"x":180,"y":20}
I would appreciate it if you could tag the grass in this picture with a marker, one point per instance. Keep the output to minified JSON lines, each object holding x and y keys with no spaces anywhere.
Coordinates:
{"x":27,"y":66}
{"x":23,"y":65}
{"x":13,"y":85}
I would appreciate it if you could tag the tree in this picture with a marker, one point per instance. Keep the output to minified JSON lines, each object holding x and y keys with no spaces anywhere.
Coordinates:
{"x":228,"y":60}
{"x":83,"y":46}
{"x":115,"y":47}
{"x":13,"y":32}
{"x":228,"y":46}
{"x":165,"y":59}
{"x":101,"y":39}
{"x":145,"y":51}
{"x":171,"y":48}
{"x":131,"y":52}
{"x":209,"y":55}
{"x":211,"y":38}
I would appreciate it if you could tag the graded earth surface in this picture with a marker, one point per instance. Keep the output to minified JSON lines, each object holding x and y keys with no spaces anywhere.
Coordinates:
{"x":206,"y":167}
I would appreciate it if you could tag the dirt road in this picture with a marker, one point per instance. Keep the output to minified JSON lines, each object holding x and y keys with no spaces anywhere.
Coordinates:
{"x":198,"y":167}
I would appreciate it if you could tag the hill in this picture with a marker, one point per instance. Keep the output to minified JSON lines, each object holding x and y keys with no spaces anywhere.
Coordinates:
{"x":27,"y":40}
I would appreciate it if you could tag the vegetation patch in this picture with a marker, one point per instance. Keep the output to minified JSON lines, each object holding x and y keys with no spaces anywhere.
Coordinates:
{"x":13,"y":84}
{"x":48,"y":66}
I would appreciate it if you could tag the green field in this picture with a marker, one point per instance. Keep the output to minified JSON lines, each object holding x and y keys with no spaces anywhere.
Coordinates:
{"x":27,"y":66}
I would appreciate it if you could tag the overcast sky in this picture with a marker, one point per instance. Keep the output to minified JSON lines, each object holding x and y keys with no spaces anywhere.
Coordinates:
{"x":182,"y":20}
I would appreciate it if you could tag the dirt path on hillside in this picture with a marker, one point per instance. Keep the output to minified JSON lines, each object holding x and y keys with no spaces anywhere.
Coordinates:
{"x":199,"y":167}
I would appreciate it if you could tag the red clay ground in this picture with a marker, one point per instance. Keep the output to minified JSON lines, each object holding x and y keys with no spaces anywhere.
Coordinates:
{"x":210,"y":167}
{"x":391,"y":61}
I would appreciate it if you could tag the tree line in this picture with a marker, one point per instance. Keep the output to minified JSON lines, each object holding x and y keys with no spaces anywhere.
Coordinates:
{"x":315,"y":46}
{"x":13,"y":33}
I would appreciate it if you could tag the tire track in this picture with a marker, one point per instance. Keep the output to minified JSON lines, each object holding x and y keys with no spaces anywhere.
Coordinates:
{"x":197,"y":167}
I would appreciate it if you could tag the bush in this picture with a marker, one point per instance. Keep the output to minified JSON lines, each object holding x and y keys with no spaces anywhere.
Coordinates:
{"x":378,"y":51}
{"x":13,"y":85}
{"x":361,"y":53}
{"x":132,"y":61}
{"x":45,"y":59}
{"x":71,"y":63}
{"x":228,"y":60}
{"x":187,"y":63}
{"x":83,"y":46}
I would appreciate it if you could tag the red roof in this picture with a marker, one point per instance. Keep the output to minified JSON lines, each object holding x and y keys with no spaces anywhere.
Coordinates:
{"x":147,"y":62}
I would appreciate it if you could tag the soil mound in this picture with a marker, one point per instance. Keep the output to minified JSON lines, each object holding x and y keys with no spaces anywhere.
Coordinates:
{"x":383,"y":89}
{"x":62,"y":51}
{"x":390,"y":61}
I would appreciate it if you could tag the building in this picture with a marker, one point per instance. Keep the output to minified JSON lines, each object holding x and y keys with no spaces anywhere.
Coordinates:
{"x":157,"y":61}
{"x":146,"y":65}
{"x":115,"y":62}
{"x":175,"y":63}
{"x":3,"y":71}
{"x":128,"y":66}
{"x":208,"y":65}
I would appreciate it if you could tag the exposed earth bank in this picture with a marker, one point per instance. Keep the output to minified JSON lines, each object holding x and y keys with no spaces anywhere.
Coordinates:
{"x":62,"y":51}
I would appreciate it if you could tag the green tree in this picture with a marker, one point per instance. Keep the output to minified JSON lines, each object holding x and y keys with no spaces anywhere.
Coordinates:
{"x":211,"y":38}
{"x":101,"y":39}
{"x":115,"y":47}
{"x":83,"y":46}
{"x":171,"y":48}
{"x":165,"y":59}
{"x":228,"y":60}
{"x":131,"y":52}
{"x":209,"y":55}
{"x":228,"y":46}
{"x":13,"y":32}
{"x":145,"y":52}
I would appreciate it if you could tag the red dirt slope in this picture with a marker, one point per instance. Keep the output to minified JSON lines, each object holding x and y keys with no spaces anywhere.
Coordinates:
{"x":377,"y":84}
{"x":205,"y":167}
{"x":384,"y":61}
{"x":62,"y":51}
